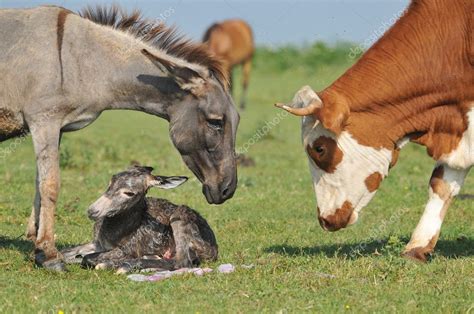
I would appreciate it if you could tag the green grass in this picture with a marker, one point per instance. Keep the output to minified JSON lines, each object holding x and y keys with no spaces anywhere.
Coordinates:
{"x":270,"y":222}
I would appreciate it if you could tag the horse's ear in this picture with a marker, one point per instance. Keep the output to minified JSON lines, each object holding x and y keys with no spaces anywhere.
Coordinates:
{"x":187,"y":78}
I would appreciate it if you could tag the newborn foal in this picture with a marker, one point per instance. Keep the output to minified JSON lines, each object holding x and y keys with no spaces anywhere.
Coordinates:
{"x":133,"y":232}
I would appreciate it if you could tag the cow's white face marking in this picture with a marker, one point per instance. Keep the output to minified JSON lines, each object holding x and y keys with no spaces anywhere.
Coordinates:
{"x":341,"y":188}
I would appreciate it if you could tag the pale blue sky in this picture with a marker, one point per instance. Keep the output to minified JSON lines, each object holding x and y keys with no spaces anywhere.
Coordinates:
{"x":274,"y":22}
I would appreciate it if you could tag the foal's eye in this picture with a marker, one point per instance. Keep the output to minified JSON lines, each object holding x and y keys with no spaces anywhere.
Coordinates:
{"x":129,"y":193}
{"x":215,"y":124}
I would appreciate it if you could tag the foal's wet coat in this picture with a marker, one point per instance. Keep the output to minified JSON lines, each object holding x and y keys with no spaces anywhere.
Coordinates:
{"x":134,"y":232}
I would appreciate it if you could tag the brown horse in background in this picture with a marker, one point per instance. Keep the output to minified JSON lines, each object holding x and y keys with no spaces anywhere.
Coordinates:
{"x":232,"y":42}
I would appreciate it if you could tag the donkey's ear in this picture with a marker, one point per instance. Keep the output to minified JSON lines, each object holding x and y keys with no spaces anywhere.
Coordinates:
{"x":163,"y":182}
{"x":187,"y":78}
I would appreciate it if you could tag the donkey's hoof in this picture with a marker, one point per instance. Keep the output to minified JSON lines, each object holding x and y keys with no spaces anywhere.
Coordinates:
{"x":55,"y":265}
{"x":415,"y":255}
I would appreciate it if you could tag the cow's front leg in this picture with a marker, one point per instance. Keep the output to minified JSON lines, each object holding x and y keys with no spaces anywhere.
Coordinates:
{"x":46,"y":143}
{"x":445,"y":183}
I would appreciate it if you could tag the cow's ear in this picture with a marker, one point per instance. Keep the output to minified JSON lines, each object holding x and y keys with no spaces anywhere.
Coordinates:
{"x":187,"y":78}
{"x":333,"y":113}
{"x":333,"y":116}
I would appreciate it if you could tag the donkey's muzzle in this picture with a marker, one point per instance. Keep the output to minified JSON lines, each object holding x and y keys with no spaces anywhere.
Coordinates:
{"x":219,"y":194}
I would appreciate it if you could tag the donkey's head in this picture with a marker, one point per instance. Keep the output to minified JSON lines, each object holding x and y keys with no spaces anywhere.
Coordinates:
{"x":128,"y":188}
{"x":345,"y":173}
{"x":203,"y":127}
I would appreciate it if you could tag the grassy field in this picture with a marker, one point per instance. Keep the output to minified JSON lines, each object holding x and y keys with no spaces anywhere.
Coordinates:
{"x":270,"y":222}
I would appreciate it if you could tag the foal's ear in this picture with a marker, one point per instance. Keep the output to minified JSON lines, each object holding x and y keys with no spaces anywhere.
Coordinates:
{"x":187,"y":78}
{"x":163,"y":182}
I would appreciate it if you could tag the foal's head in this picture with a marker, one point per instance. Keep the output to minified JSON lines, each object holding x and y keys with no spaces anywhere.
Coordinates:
{"x":128,"y":188}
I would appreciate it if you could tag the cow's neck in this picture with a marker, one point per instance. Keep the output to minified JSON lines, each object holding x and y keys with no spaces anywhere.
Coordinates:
{"x":402,"y":87}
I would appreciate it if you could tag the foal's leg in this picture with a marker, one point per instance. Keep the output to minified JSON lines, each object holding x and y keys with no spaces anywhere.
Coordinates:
{"x":191,"y":248}
{"x":445,"y":183}
{"x":76,"y":254}
{"x":246,"y":67}
{"x":148,"y":264}
{"x":46,"y":144}
{"x":105,"y":260}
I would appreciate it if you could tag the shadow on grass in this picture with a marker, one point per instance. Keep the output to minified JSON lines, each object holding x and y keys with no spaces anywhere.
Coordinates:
{"x":461,"y":247}
{"x":24,"y":246}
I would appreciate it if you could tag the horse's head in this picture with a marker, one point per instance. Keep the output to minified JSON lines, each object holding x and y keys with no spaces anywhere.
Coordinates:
{"x":203,"y":127}
{"x":345,"y":173}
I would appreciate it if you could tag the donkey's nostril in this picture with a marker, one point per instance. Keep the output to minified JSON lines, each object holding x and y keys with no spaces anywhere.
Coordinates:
{"x":225,"y":192}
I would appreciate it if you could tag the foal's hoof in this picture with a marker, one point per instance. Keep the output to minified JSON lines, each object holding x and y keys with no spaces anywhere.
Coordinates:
{"x":415,"y":255}
{"x":55,"y":265}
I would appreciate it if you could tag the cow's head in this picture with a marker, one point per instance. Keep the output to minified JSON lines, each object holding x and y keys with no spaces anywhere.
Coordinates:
{"x":345,"y":173}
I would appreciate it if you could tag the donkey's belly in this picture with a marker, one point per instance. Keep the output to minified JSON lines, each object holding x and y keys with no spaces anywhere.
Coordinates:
{"x":11,"y":124}
{"x":77,"y":122}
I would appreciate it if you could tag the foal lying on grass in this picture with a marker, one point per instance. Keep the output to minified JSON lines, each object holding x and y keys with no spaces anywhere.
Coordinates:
{"x":134,"y":232}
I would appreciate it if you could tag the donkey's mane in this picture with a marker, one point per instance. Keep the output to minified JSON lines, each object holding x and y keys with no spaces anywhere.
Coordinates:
{"x":157,"y":34}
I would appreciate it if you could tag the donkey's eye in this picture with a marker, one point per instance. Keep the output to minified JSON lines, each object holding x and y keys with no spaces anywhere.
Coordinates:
{"x":129,"y":193}
{"x":215,"y":124}
{"x":319,"y":149}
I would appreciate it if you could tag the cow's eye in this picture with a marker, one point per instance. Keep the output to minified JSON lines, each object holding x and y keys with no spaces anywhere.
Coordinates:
{"x":319,"y":149}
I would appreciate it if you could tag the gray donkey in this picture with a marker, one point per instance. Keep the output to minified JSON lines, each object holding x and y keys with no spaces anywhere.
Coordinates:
{"x":133,"y":232}
{"x":60,"y":70}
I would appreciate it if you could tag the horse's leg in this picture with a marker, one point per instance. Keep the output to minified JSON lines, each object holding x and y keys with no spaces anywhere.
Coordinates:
{"x":246,"y":67}
{"x":445,"y":183}
{"x":32,"y":228}
{"x":46,"y":145}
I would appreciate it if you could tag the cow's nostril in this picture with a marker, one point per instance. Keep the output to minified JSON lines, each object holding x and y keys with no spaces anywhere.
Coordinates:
{"x":325,"y":224}
{"x":322,"y":222}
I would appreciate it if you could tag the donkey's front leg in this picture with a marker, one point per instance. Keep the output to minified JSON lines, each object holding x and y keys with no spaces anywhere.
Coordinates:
{"x":32,"y":227}
{"x":46,"y":143}
{"x":445,"y":183}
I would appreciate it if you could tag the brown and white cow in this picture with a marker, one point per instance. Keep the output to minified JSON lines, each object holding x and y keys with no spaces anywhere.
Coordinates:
{"x":415,"y":84}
